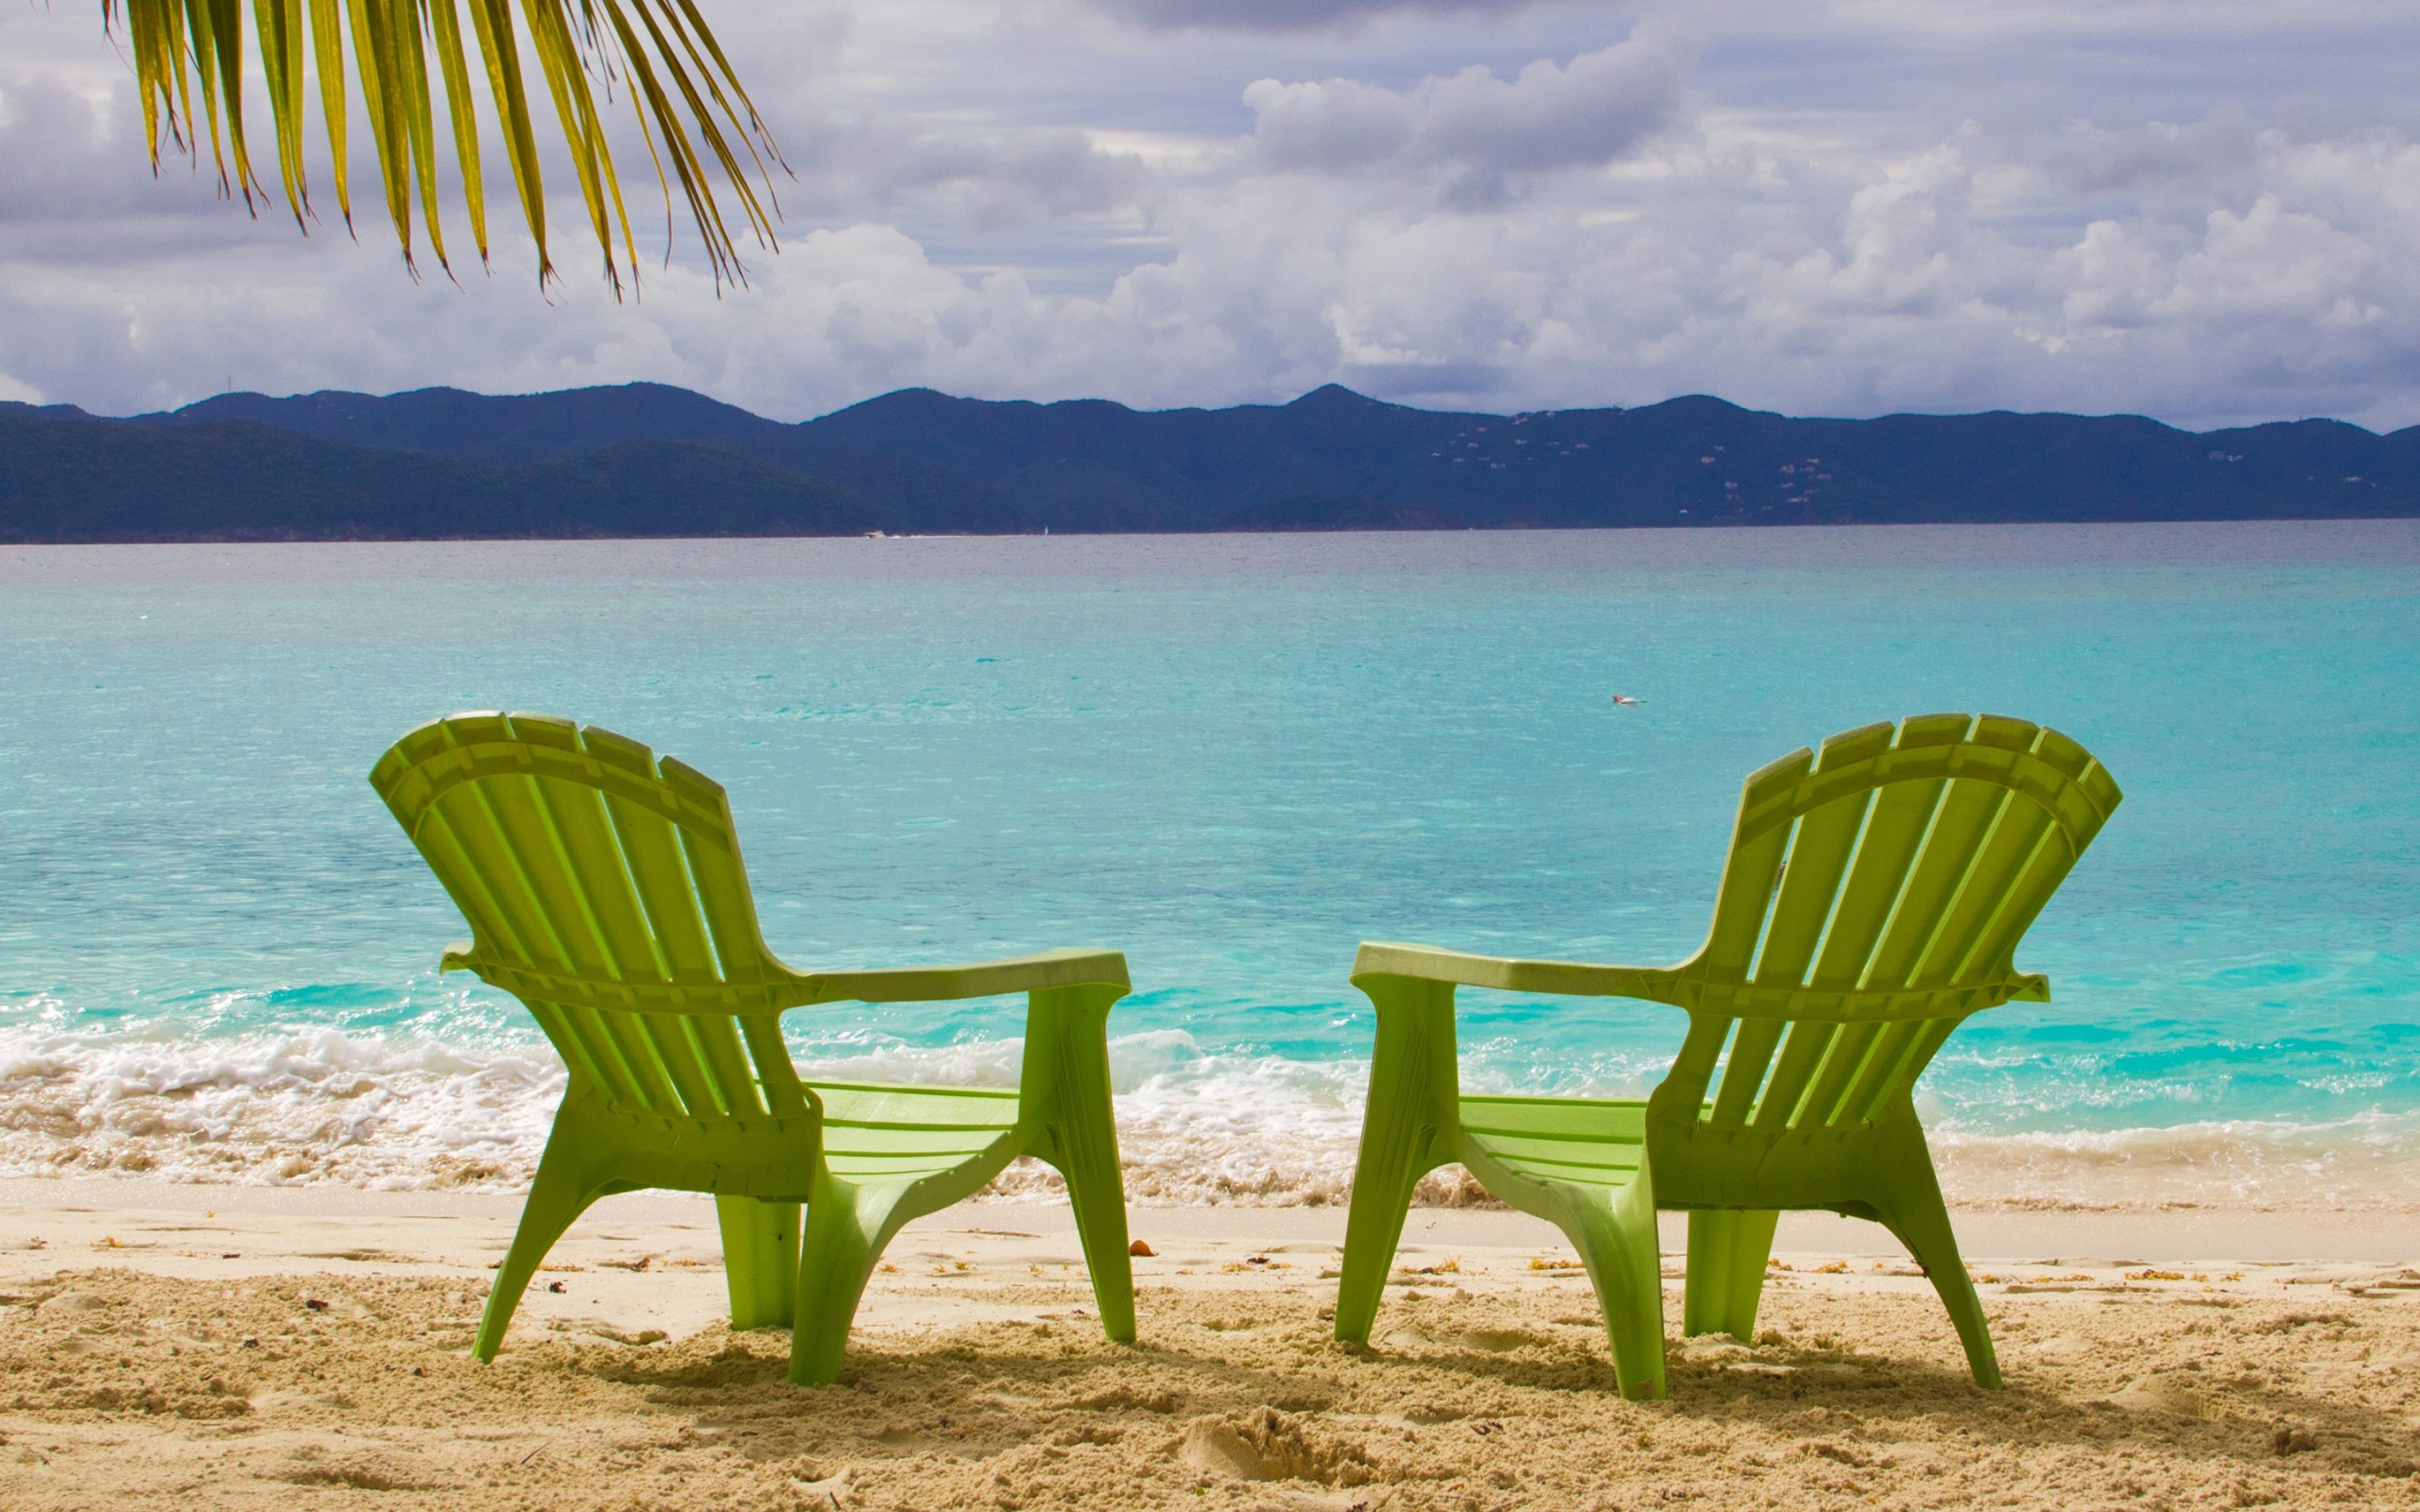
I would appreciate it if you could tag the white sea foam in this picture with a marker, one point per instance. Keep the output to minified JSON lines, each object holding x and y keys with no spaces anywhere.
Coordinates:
{"x":1195,"y":1128}
{"x":2370,"y":1160}
{"x":309,"y":1105}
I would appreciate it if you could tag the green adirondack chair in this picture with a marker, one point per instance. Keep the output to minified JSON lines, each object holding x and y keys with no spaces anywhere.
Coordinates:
{"x":1874,"y":897}
{"x":604,"y":889}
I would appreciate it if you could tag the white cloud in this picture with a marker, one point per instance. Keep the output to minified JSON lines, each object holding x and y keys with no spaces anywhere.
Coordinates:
{"x":1550,"y":115}
{"x":992,"y":176}
{"x":1289,"y":15}
{"x":1558,"y":210}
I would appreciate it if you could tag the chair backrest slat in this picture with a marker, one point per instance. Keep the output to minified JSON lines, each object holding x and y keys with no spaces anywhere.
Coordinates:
{"x":725,"y":1056}
{"x":1905,"y":1048}
{"x":461,"y":864}
{"x":1875,"y":895}
{"x":1746,"y":893}
{"x":511,"y":917}
{"x":667,"y":1035}
{"x":1739,"y":908}
{"x":585,"y":1049}
{"x":1962,"y":950}
{"x":1819,"y":856}
{"x":640,"y":1068}
{"x":1743,"y":1071}
{"x":1843,"y":1059}
{"x":1802,"y":1054}
{"x":660,"y":873}
{"x":1885,"y":1063}
{"x":1886,"y":852}
{"x":549,"y":884}
{"x":1945,"y":863}
{"x":777,"y":1077}
{"x":2044,"y":869}
{"x":1693,"y":1068}
{"x":721,"y":882}
{"x":597,"y":880}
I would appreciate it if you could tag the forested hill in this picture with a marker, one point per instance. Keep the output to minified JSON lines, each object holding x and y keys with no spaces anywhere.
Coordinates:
{"x":644,"y":460}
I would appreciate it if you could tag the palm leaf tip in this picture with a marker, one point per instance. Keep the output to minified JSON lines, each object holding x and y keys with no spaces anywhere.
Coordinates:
{"x":693,"y":113}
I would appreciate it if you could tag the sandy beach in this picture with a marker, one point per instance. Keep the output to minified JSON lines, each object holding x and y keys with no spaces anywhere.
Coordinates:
{"x":204,"y":1347}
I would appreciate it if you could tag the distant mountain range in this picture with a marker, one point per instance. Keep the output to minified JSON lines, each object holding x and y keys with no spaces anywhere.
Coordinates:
{"x":644,"y":460}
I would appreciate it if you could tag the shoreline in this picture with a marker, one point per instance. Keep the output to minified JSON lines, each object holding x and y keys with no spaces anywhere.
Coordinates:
{"x":83,"y":1209}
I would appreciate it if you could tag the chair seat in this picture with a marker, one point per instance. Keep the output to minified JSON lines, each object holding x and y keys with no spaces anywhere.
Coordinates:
{"x":1578,"y":1140}
{"x":875,"y":1133}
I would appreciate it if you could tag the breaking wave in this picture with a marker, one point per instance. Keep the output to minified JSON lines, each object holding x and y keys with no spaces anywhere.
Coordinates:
{"x":391,"y":1110}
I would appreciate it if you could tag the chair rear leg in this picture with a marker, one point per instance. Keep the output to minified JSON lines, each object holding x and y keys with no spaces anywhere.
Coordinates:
{"x":1728,"y":1250}
{"x":759,"y":1261}
{"x":846,"y":1230}
{"x":561,"y":1192}
{"x":1064,"y":1027}
{"x":1614,"y":1233}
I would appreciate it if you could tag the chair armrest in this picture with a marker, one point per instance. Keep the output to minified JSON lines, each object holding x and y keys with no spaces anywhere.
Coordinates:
{"x":984,"y":979}
{"x":1560,"y":978}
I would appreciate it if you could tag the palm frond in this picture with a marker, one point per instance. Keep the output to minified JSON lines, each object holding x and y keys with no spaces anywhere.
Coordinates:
{"x":688,"y":100}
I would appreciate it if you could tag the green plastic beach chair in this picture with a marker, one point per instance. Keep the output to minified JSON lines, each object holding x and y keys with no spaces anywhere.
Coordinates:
{"x":604,"y":889}
{"x":1874,"y":898}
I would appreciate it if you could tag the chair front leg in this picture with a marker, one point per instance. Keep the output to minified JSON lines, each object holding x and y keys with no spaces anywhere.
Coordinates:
{"x":1614,"y":1229}
{"x":1911,"y":1207}
{"x":847,"y":1228}
{"x":1408,"y":1130}
{"x":1067,"y":1047}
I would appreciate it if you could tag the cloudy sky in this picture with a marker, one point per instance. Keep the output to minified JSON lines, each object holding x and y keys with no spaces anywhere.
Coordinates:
{"x":2202,"y":210}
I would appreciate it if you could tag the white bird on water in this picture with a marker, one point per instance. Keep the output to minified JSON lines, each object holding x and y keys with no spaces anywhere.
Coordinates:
{"x":1623,"y":700}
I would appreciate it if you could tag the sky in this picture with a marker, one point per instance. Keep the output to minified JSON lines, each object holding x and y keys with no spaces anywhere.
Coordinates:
{"x":2205,"y":211}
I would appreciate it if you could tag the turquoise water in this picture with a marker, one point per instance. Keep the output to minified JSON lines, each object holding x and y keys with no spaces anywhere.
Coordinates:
{"x":1232,"y":758}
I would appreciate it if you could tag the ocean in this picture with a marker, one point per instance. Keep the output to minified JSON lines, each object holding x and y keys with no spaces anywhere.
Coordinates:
{"x":1232,"y":757}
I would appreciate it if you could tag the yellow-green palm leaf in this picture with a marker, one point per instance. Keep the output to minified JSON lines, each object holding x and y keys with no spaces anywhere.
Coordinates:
{"x":689,"y":103}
